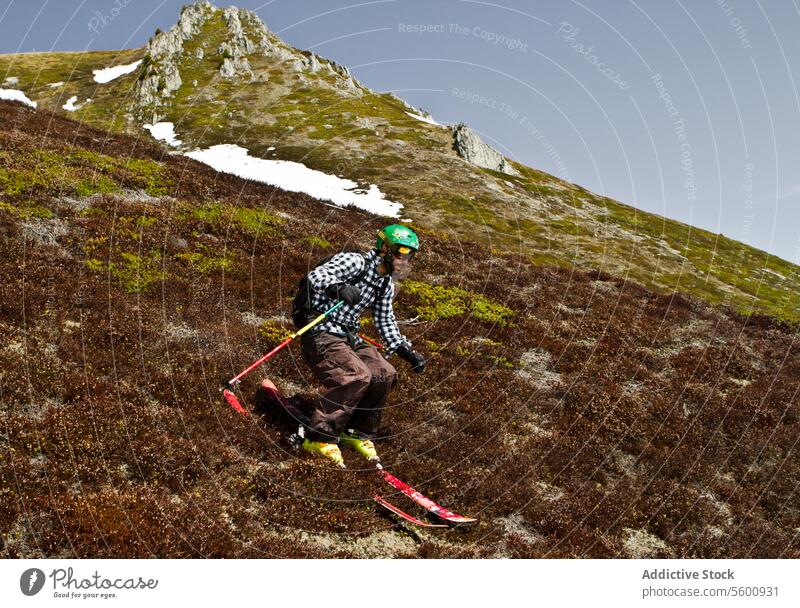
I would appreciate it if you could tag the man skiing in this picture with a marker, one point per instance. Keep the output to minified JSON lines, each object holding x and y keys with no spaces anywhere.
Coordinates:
{"x":357,"y":378}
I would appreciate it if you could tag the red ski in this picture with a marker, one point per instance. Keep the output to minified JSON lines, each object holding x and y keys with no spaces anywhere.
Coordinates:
{"x":426,"y":503}
{"x":404,"y":515}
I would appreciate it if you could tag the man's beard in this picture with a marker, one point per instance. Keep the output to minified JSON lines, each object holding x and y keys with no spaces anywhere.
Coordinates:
{"x":400,"y":270}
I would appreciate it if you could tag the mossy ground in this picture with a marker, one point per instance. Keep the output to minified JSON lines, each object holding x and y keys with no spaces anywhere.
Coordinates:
{"x":436,"y":302}
{"x":133,"y":272}
{"x":256,"y":222}
{"x":80,"y":173}
{"x":110,"y":101}
{"x":204,"y":263}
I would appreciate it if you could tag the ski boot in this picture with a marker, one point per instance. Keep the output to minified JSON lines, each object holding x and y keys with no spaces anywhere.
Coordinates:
{"x":329,"y":451}
{"x":365,"y":447}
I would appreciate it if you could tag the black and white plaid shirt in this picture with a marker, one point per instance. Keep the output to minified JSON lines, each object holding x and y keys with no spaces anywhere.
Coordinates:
{"x":341,"y":269}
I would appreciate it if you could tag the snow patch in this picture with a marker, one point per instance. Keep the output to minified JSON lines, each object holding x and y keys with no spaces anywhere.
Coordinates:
{"x":12,"y":80}
{"x":55,"y":85}
{"x":164,"y":131}
{"x":427,"y":119}
{"x":108,"y":74}
{"x":70,"y":105}
{"x":295,"y":177}
{"x":16,"y":95}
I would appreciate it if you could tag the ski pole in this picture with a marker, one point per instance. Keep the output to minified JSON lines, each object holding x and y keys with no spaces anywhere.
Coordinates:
{"x":376,"y":344}
{"x":237,"y":378}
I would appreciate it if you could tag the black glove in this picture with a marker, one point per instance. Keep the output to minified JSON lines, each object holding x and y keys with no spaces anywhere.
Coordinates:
{"x":342,"y":291}
{"x":416,"y":360}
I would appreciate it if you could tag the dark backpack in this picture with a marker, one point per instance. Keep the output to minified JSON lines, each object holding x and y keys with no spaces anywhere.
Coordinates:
{"x":301,"y":305}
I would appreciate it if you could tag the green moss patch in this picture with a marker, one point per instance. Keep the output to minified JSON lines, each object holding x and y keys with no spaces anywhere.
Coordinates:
{"x":79,"y":173}
{"x":134,"y":273}
{"x":316,"y":241}
{"x":273,"y":333}
{"x":252,"y":221}
{"x":563,"y":226}
{"x":206,"y":264}
{"x":439,"y":302}
{"x":26,"y":209}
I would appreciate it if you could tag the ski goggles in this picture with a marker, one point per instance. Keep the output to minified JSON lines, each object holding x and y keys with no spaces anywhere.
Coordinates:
{"x":403,"y":252}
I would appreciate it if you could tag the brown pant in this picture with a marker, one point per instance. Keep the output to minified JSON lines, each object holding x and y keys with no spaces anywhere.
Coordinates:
{"x":357,"y":380}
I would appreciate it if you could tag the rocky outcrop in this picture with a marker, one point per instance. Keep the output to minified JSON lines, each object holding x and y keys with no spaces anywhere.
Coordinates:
{"x":161,"y":77}
{"x":313,"y":64}
{"x":234,"y":51}
{"x":310,"y":62}
{"x":246,"y":35}
{"x":472,"y":149}
{"x":350,"y":84}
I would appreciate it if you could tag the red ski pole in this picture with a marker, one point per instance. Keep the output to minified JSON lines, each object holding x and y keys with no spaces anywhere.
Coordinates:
{"x":375,"y":344}
{"x":231,"y":384}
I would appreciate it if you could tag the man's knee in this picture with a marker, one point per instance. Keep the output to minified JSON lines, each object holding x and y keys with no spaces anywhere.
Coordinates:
{"x":340,"y":367}
{"x":357,"y":377}
{"x":385,"y":374}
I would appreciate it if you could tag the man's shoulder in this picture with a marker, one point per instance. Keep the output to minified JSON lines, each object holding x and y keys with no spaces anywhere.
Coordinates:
{"x":348,"y":258}
{"x":369,"y":260}
{"x":371,"y":256}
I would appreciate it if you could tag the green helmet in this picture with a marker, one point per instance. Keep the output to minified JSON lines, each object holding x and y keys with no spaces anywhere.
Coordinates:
{"x":397,"y":234}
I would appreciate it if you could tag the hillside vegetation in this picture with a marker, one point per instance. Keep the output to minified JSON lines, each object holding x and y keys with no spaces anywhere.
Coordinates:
{"x":577,"y":414}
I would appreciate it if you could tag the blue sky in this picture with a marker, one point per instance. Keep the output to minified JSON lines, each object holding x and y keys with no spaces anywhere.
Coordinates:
{"x":686,"y":109}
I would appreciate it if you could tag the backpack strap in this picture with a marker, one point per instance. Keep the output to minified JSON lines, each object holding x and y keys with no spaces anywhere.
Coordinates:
{"x":361,"y":274}
{"x":379,"y":293}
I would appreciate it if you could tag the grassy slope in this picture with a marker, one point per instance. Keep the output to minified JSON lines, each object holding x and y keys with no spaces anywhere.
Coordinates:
{"x":577,"y":414}
{"x":372,"y":139}
{"x":36,"y":71}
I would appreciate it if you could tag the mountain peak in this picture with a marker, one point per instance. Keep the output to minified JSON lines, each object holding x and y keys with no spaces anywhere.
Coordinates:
{"x":208,"y":41}
{"x":166,"y":51}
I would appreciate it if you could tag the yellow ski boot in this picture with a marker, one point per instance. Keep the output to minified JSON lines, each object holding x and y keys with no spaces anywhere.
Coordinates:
{"x":365,"y":447}
{"x":329,"y":451}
